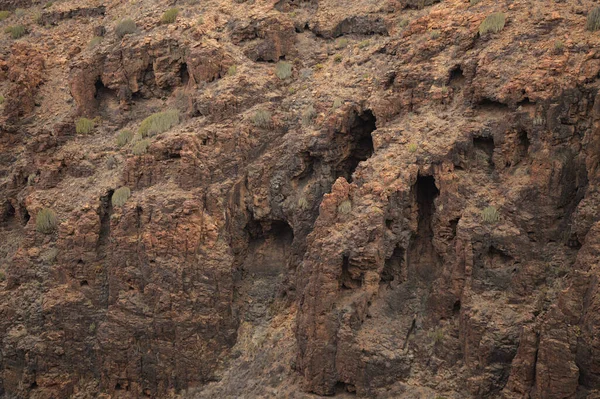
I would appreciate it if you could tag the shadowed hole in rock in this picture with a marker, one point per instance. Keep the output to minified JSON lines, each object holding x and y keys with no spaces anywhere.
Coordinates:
{"x":103,"y":95}
{"x":491,"y":106}
{"x":8,"y":213}
{"x":393,"y":267}
{"x":423,"y":261}
{"x":523,"y":144}
{"x":456,"y":78}
{"x":454,"y":226}
{"x":361,"y":144}
{"x":184,"y":75}
{"x":25,"y":216}
{"x":484,"y":149}
{"x":344,"y":388}
{"x":83,"y":283}
{"x":104,"y":212}
{"x":456,"y":307}
{"x":347,"y":279}
{"x":33,"y":385}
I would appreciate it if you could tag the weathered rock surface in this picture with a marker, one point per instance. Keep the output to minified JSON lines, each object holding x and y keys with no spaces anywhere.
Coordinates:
{"x":412,"y":213}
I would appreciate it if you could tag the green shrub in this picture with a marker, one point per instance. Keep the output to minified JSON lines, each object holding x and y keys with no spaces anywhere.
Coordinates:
{"x":283,"y":70}
{"x":4,"y":15}
{"x":232,"y":70}
{"x":593,"y":19}
{"x":19,"y":12}
{"x":141,"y":147}
{"x":473,"y":2}
{"x":559,"y":46}
{"x":96,"y":40}
{"x":338,"y":102}
{"x":84,"y":125}
{"x":125,"y":27}
{"x":2,"y":275}
{"x":493,"y":23}
{"x":159,"y":123}
{"x":124,"y":137}
{"x":434,"y":34}
{"x":262,"y":118}
{"x":341,"y":43}
{"x":364,"y":43}
{"x":490,"y":215}
{"x":337,"y":58}
{"x":46,"y":221}
{"x":17,"y":31}
{"x":120,"y":196}
{"x":412,"y":147}
{"x":308,"y":115}
{"x":48,"y":4}
{"x":403,"y":23}
{"x":1,"y":99}
{"x":169,"y":16}
{"x":345,"y":207}
{"x":302,"y":203}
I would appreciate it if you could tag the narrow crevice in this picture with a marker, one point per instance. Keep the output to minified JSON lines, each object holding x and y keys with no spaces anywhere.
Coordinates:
{"x":184,"y":75}
{"x":393,"y":267}
{"x":456,"y":78}
{"x":347,"y":280}
{"x":423,"y":260}
{"x":360,"y":144}
{"x":484,"y":150}
{"x":104,"y":212}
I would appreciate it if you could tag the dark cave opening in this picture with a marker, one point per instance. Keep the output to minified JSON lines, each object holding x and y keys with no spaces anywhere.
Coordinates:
{"x":184,"y":75}
{"x":456,"y":78}
{"x":523,"y":144}
{"x":344,"y":388}
{"x":269,"y":246}
{"x":490,"y":105}
{"x":392,"y":268}
{"x":9,"y":212}
{"x":423,"y":259}
{"x":361,"y":144}
{"x":347,"y":281}
{"x":26,"y":216}
{"x":104,"y":212}
{"x":484,"y":148}
{"x":103,"y":93}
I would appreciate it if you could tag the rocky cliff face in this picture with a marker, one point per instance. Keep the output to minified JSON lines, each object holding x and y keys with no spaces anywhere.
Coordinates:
{"x":413,"y":212}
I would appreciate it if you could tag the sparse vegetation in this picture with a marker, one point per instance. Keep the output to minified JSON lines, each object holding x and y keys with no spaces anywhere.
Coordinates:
{"x":437,"y":336}
{"x":169,"y":16}
{"x":345,"y":207}
{"x":434,"y":34}
{"x":364,"y":43}
{"x":403,"y":23}
{"x":538,"y":121}
{"x":125,"y":27}
{"x":338,"y":102}
{"x":96,"y":40}
{"x":232,"y":70}
{"x":308,"y":115}
{"x":473,"y":2}
{"x":84,"y":125}
{"x":19,"y":12}
{"x":158,"y":123}
{"x":337,"y":58}
{"x":490,"y":215}
{"x":2,"y":275}
{"x":4,"y":14}
{"x":124,"y":137}
{"x":46,"y":221}
{"x":120,"y":196}
{"x":1,"y":99}
{"x":17,"y":31}
{"x":141,"y":147}
{"x":341,"y":43}
{"x":412,"y":147}
{"x":494,"y":23}
{"x":559,"y":46}
{"x":593,"y":20}
{"x":283,"y":70}
{"x":262,"y":118}
{"x":48,"y":4}
{"x":302,"y":203}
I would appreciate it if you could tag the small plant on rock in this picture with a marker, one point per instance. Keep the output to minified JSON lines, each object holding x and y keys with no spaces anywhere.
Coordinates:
{"x":141,"y":147}
{"x":17,"y":31}
{"x":262,"y":118}
{"x":345,"y":207}
{"x":434,"y":34}
{"x":96,"y":40}
{"x":46,"y":221}
{"x":559,"y":46}
{"x":337,"y":58}
{"x":125,"y":27}
{"x":490,"y":215}
{"x":473,"y":2}
{"x":120,"y":196}
{"x":124,"y":137}
{"x":593,"y":20}
{"x":308,"y":115}
{"x":1,"y":99}
{"x":494,"y":23}
{"x":338,"y":102}
{"x":158,"y":123}
{"x":412,"y":147}
{"x":84,"y":125}
{"x":169,"y":16}
{"x":341,"y":43}
{"x":4,"y":14}
{"x":283,"y":70}
{"x":232,"y":70}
